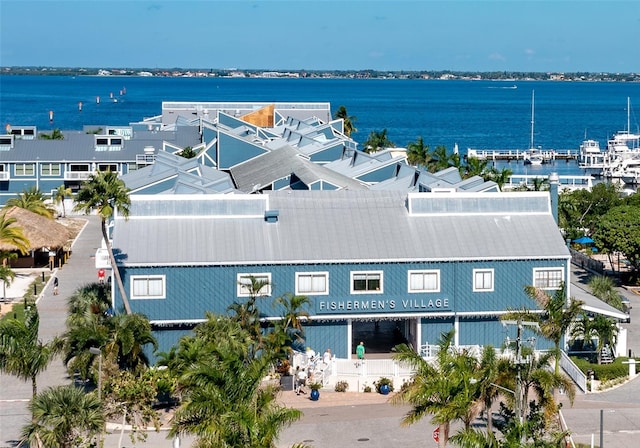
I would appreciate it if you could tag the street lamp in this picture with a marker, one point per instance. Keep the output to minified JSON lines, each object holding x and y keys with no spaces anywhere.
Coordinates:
{"x":97,"y":351}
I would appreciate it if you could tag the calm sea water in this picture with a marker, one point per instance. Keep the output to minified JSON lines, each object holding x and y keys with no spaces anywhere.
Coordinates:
{"x":477,"y":114}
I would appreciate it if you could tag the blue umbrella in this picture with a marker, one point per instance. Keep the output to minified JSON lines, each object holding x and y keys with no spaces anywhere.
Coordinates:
{"x":583,"y":240}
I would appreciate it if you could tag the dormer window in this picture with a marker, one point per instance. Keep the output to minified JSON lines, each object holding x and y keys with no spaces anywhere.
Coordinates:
{"x":108,"y":143}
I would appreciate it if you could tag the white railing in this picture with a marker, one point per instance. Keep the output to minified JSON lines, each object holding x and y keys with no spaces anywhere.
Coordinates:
{"x":77,"y":175}
{"x":573,"y":372}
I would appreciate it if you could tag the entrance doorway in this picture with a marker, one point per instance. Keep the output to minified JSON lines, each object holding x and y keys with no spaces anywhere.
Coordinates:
{"x":379,"y":336}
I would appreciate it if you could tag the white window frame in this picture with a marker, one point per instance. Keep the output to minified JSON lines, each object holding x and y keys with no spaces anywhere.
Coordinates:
{"x":477,"y":287}
{"x":380,"y":274}
{"x":547,"y":282}
{"x":135,"y":278}
{"x":49,"y":168}
{"x":242,"y":291}
{"x":20,"y":169}
{"x":323,"y":274}
{"x":423,"y":272}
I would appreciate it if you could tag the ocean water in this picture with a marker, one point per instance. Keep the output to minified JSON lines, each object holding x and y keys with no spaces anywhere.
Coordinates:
{"x":471,"y":114}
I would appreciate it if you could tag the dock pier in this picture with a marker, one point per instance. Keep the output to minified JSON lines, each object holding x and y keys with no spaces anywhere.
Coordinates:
{"x":518,"y":154}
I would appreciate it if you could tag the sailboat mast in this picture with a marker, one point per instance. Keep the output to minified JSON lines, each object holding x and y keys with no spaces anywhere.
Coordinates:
{"x":533,"y":93}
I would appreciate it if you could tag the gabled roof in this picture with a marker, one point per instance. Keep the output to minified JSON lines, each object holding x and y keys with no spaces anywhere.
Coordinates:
{"x":338,"y":226}
{"x":186,"y":175}
{"x":358,"y":163}
{"x":260,"y":172}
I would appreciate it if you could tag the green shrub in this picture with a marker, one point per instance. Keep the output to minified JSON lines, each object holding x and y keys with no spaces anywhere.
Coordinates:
{"x":604,"y":372}
{"x":341,"y":386}
{"x":382,"y":381}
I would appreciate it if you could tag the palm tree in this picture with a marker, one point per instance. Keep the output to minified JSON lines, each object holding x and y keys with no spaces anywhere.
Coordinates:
{"x":440,"y":159}
{"x":12,"y":235}
{"x":500,"y":177}
{"x":489,"y":371}
{"x":475,"y":167}
{"x":377,"y":141}
{"x":105,"y":193}
{"x":128,"y":335}
{"x":349,"y":121}
{"x":442,"y":389}
{"x":33,"y":200}
{"x":63,"y":416}
{"x":225,"y":402}
{"x":606,"y":330}
{"x":558,"y":315}
{"x":418,"y":153}
{"x":56,"y":134}
{"x":61,"y":194}
{"x":603,"y":288}
{"x":21,"y":352}
{"x":7,"y":276}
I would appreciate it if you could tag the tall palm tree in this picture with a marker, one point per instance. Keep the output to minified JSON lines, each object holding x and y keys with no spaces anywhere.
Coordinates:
{"x":63,"y":416}
{"x":104,"y":193}
{"x":559,"y":315}
{"x":418,"y":153}
{"x":442,"y":389}
{"x":13,"y":235}
{"x":349,"y":121}
{"x":21,"y":352}
{"x":500,"y":177}
{"x":31,"y":199}
{"x":62,"y":193}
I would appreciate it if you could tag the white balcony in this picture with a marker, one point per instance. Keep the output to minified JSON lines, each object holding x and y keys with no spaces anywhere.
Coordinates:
{"x":77,"y":175}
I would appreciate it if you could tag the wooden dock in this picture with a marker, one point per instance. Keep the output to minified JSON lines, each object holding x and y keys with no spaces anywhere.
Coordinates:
{"x":518,"y":154}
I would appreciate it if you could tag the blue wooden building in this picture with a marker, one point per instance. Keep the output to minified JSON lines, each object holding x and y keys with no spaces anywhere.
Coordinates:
{"x":427,"y":262}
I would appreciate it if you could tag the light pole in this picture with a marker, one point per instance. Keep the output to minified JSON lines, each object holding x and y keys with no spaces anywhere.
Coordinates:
{"x":97,"y":351}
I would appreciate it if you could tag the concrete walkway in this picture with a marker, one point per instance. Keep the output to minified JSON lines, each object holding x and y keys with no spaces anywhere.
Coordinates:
{"x":79,"y":271}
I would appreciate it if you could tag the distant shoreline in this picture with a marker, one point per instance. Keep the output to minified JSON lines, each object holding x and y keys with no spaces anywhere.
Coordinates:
{"x":443,"y":75}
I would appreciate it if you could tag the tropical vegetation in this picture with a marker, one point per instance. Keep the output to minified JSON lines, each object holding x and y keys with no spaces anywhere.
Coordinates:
{"x":31,"y":199}
{"x":104,"y":193}
{"x":348,"y":120}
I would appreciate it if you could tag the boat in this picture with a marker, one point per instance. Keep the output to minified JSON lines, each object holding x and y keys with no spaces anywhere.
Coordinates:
{"x":592,"y":158}
{"x":623,"y":150}
{"x":627,"y":170}
{"x":532,"y":156}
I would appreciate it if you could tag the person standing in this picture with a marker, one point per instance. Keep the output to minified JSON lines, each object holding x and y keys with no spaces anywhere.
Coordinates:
{"x":101,"y":275}
{"x":55,"y":286}
{"x":326,"y":357}
{"x":301,"y":379}
{"x":360,"y":350}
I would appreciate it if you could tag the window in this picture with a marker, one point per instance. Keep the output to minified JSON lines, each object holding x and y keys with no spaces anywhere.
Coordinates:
{"x":482,"y":280}
{"x":245,"y":287}
{"x":108,"y":167}
{"x":424,"y":281}
{"x":548,"y":278}
{"x":24,"y":169}
{"x":366,"y":282}
{"x":312,"y":283}
{"x":147,"y":287}
{"x":50,"y":169}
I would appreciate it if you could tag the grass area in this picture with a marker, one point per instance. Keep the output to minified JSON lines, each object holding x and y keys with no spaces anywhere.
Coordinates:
{"x":29,"y":299}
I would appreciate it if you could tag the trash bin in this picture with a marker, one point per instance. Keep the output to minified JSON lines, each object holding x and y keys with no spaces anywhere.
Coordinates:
{"x":287,"y":382}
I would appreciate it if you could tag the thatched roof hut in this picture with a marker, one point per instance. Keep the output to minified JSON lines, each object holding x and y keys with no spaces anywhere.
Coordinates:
{"x":42,"y":233}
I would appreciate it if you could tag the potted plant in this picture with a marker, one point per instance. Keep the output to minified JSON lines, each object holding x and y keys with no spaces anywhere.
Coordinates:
{"x":384,"y":385}
{"x":315,"y":391}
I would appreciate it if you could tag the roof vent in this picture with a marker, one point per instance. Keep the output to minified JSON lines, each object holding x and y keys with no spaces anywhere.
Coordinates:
{"x":149,"y":149}
{"x":271,"y":215}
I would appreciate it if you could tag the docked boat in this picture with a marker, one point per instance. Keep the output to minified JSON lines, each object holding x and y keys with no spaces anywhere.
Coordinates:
{"x":592,"y":157}
{"x":532,"y":156}
{"x":627,"y":170}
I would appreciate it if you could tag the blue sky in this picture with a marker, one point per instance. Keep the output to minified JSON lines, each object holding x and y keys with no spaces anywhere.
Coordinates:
{"x":510,"y":35}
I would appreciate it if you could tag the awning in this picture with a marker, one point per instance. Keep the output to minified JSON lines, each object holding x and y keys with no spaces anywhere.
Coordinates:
{"x":583,"y":240}
{"x":594,"y":305}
